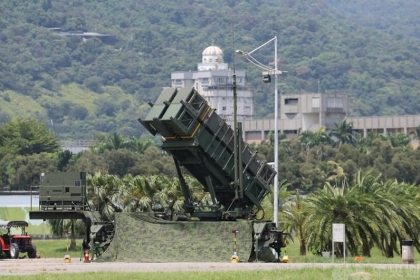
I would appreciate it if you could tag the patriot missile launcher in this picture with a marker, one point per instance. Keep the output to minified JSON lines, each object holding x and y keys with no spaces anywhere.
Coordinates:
{"x":204,"y":145}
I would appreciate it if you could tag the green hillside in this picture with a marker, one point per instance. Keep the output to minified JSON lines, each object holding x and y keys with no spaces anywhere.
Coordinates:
{"x":392,"y":16}
{"x":79,"y":87}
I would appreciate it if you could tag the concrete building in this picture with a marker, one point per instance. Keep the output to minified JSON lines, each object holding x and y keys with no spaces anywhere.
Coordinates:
{"x":307,"y":111}
{"x":213,"y":80}
{"x":310,"y":111}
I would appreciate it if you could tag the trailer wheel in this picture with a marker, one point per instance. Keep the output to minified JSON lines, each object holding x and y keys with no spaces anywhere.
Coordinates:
{"x":14,"y":251}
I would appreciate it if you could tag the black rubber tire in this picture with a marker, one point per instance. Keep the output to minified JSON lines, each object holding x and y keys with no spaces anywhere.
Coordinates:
{"x":32,"y":252}
{"x":14,"y":251}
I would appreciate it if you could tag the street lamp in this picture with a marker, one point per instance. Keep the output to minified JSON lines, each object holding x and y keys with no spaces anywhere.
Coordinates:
{"x":267,"y":79}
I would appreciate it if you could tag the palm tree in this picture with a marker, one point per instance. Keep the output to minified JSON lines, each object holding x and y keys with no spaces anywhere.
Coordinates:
{"x":374,"y":212}
{"x":114,"y":141}
{"x":140,"y":194}
{"x":170,"y":196}
{"x":399,"y":140}
{"x":311,"y":139}
{"x":139,"y":145}
{"x":400,"y":201}
{"x":365,"y":143}
{"x":343,"y":133}
{"x":106,"y":193}
{"x":293,"y":220}
{"x":75,"y":227}
{"x":341,"y":204}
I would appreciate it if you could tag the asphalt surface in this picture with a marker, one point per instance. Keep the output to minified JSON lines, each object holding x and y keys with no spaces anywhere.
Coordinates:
{"x":36,"y":266}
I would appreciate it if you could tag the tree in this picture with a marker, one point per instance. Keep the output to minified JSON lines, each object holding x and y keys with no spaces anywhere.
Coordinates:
{"x":170,"y":196}
{"x":89,"y":162}
{"x":294,"y":220}
{"x":64,"y":158}
{"x":343,"y":133}
{"x":339,"y":205}
{"x":121,"y":162}
{"x":310,"y":139}
{"x":106,"y":193}
{"x":28,"y":137}
{"x":23,"y":171}
{"x":73,"y":227}
{"x":141,"y":191}
{"x":376,"y":213}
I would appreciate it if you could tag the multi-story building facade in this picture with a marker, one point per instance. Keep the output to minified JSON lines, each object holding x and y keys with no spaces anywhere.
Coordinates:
{"x":309,"y":111}
{"x":213,"y":80}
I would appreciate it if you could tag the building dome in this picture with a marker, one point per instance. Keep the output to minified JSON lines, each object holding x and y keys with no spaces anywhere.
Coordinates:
{"x":212,"y":59}
{"x":212,"y":50}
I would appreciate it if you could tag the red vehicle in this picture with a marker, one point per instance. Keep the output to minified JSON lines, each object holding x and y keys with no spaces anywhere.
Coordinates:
{"x":13,"y":245}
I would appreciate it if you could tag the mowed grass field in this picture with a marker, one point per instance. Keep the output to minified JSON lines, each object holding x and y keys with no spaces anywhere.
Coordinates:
{"x":304,"y":274}
{"x":58,"y":248}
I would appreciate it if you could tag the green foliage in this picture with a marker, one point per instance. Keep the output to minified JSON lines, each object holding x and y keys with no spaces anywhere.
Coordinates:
{"x":317,"y":44}
{"x":29,"y":136}
{"x":375,"y":14}
{"x":110,"y":194}
{"x":377,"y":213}
{"x":23,"y":171}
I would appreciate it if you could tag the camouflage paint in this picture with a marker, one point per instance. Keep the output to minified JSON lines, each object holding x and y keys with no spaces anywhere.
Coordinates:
{"x":142,"y":238}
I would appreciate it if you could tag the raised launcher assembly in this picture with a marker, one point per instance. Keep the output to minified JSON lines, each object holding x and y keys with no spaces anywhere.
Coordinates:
{"x":202,"y":142}
{"x":62,"y":195}
{"x":199,"y":140}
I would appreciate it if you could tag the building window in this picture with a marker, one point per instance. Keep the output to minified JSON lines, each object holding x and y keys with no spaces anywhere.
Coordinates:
{"x":205,"y":81}
{"x":178,"y":82}
{"x":315,"y":102}
{"x":291,"y":116}
{"x":291,"y":101}
{"x":334,"y":102}
{"x":290,"y":132}
{"x":224,"y":108}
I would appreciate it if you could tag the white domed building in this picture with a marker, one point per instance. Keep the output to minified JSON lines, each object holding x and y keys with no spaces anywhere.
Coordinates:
{"x":212,"y":59}
{"x":213,"y":80}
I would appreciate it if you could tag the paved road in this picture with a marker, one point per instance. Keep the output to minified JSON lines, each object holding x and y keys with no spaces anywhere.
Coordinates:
{"x":35,"y":266}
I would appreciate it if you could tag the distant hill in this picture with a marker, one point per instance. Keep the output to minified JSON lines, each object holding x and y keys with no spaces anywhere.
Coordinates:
{"x":81,"y":85}
{"x":391,"y":16}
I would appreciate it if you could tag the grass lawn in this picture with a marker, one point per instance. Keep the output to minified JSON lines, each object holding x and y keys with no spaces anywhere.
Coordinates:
{"x":304,"y":273}
{"x":57,"y":249}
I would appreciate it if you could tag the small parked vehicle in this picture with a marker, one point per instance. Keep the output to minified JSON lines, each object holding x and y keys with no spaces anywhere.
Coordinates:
{"x":13,"y":245}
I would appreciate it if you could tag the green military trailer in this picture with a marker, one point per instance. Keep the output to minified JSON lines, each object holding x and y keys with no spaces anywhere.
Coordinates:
{"x":62,"y":191}
{"x":63,"y":195}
